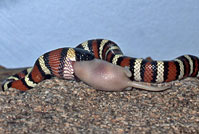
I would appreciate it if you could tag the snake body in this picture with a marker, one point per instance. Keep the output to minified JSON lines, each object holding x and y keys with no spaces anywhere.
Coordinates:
{"x":59,"y":63}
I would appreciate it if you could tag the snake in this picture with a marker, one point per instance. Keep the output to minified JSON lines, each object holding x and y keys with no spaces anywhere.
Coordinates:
{"x":59,"y":63}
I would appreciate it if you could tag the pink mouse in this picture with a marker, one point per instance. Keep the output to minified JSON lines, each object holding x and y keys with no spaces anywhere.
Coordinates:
{"x":105,"y":76}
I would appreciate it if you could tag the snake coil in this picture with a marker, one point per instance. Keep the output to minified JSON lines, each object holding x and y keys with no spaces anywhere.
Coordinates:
{"x":59,"y":63}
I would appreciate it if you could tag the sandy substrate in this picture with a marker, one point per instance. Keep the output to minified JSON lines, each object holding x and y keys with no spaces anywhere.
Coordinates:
{"x":61,"y":106}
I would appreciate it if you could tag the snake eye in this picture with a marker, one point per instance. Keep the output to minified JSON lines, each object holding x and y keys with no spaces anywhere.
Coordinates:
{"x":83,"y":55}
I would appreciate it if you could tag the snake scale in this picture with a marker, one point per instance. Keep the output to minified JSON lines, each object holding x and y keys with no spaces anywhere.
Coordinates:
{"x":60,"y":62}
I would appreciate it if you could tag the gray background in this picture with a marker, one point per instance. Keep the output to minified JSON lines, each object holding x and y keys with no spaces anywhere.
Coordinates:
{"x":162,"y":29}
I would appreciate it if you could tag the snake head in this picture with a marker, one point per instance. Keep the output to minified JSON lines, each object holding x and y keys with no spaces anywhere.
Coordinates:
{"x":83,"y":55}
{"x":73,"y":55}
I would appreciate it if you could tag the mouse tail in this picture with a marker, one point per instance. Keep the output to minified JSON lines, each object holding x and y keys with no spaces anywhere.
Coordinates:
{"x":144,"y":86}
